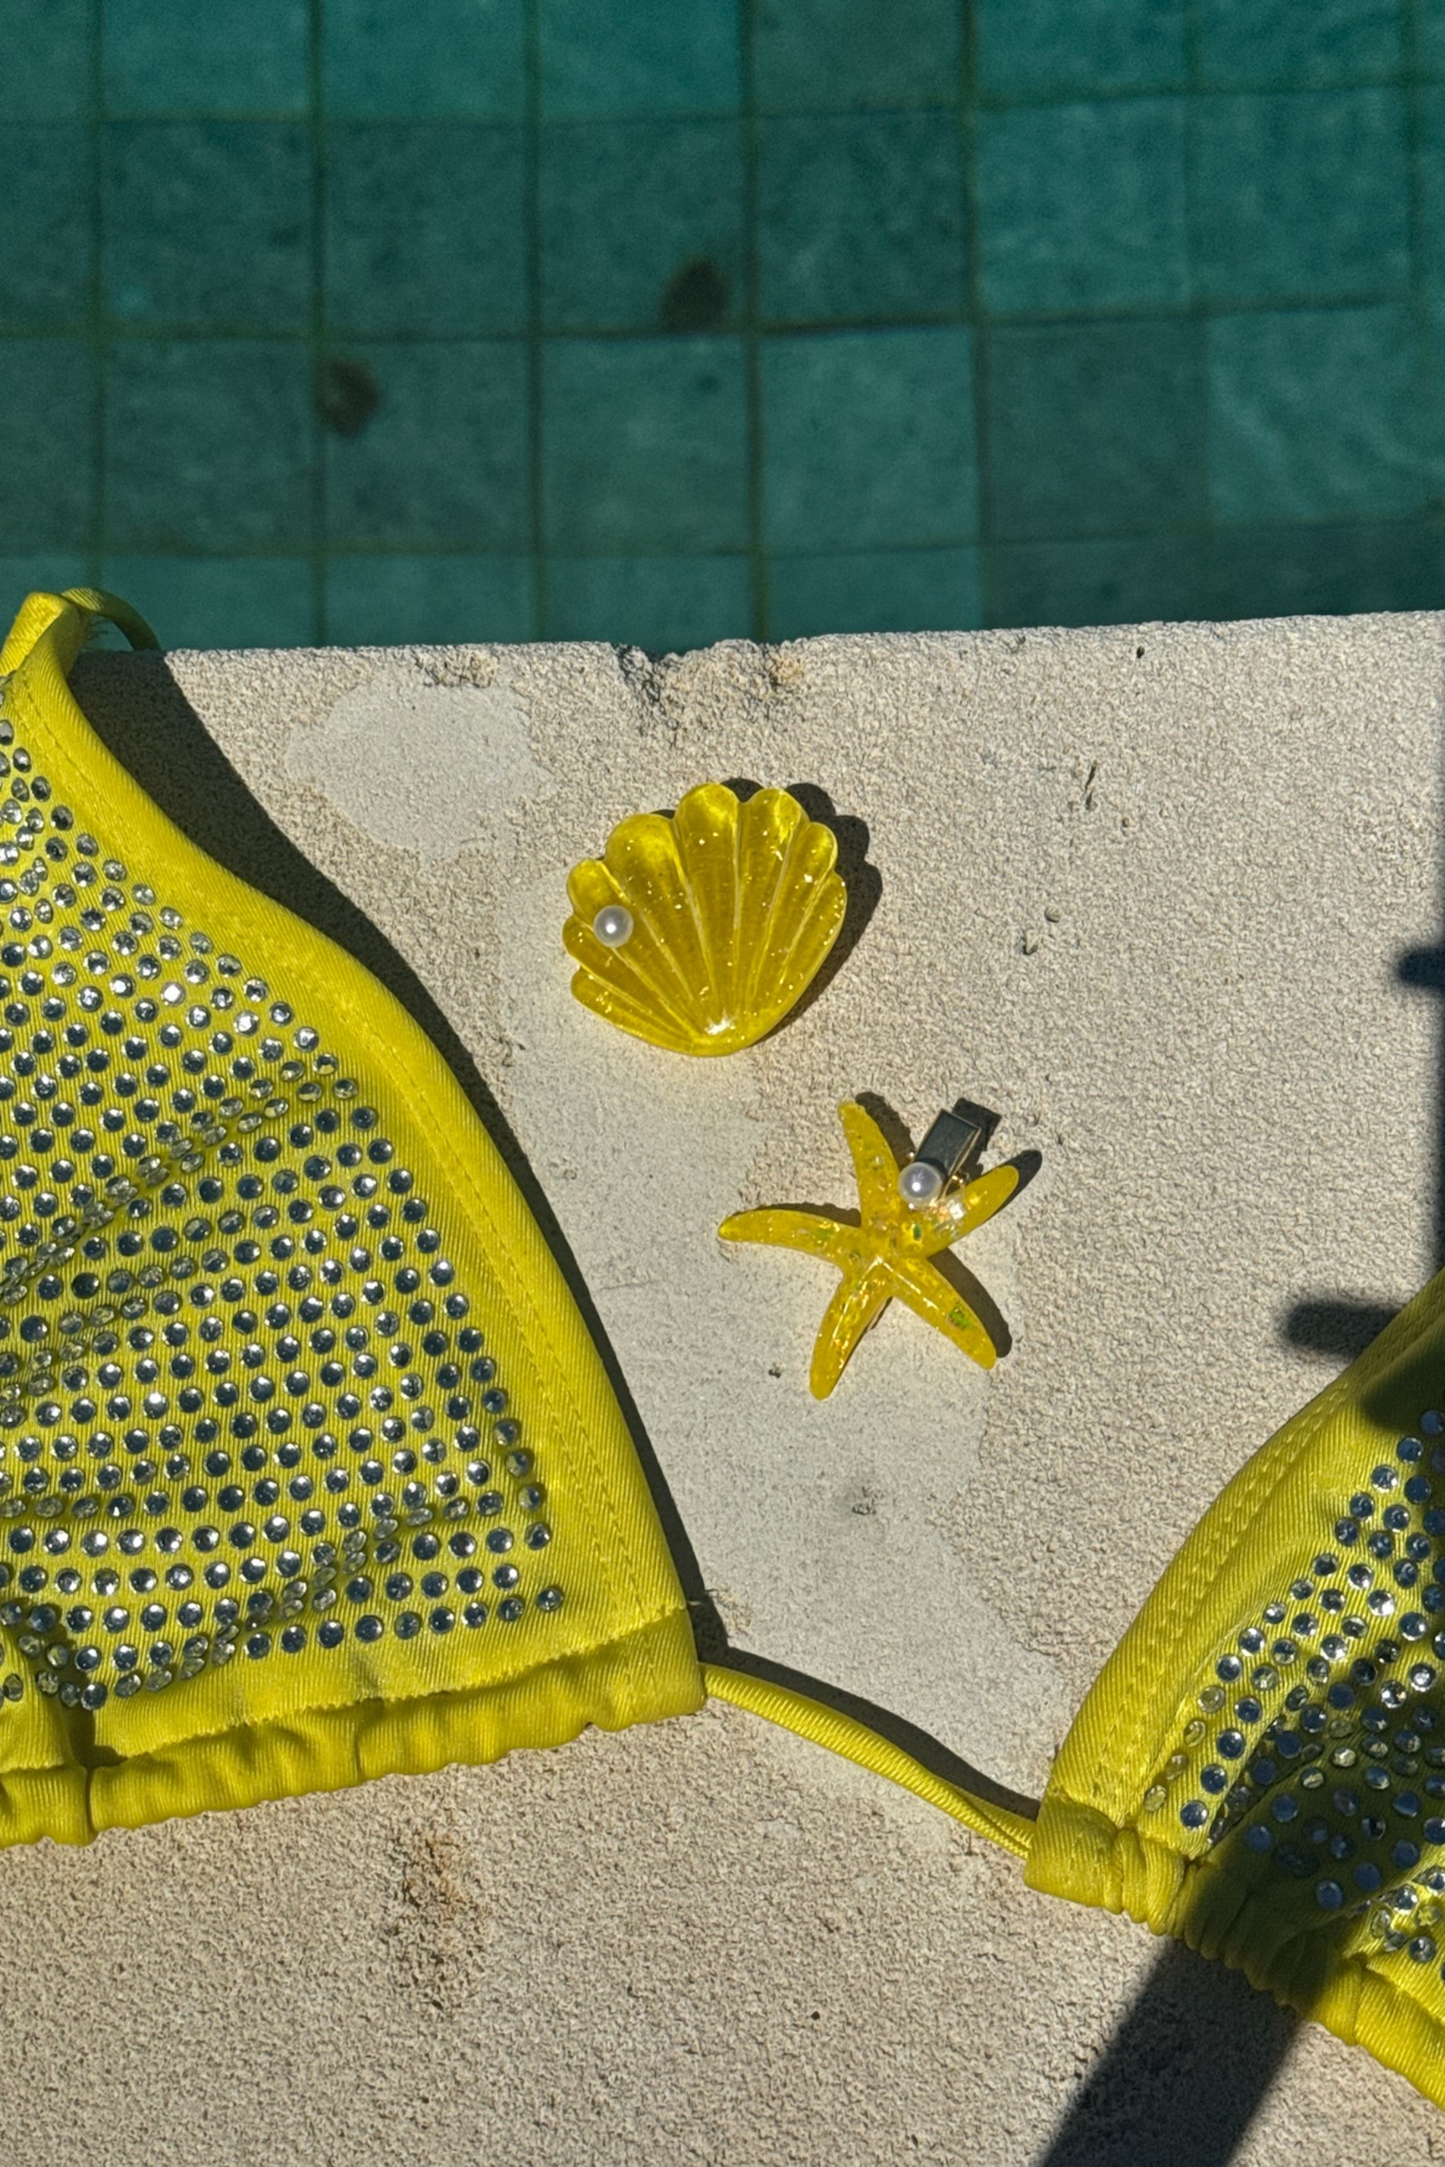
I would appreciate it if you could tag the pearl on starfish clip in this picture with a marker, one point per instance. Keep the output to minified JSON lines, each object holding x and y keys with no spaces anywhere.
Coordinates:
{"x":885,"y":1258}
{"x":919,"y":1182}
{"x":946,"y":1149}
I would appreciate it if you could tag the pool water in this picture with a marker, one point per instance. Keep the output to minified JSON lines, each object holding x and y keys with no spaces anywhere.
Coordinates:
{"x":663,"y":321}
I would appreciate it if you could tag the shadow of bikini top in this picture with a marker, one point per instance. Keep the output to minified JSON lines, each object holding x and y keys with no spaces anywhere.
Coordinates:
{"x":310,"y":1470}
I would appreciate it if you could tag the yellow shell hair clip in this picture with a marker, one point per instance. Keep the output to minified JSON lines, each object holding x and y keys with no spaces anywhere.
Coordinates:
{"x":699,"y":930}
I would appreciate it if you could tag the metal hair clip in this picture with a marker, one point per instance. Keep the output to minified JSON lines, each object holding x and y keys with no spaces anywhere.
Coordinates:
{"x":947,"y":1148}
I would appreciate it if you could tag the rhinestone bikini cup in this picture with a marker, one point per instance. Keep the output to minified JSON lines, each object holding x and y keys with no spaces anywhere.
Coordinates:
{"x":310,"y":1471}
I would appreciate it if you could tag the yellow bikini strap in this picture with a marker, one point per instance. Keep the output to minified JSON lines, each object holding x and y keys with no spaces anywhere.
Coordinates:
{"x":856,"y":1742}
{"x":72,"y":614}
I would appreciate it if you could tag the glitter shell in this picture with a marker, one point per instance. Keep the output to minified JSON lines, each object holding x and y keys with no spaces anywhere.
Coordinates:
{"x":734,"y":905}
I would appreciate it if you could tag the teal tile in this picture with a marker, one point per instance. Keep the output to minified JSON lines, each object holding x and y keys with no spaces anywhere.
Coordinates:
{"x":1318,"y":411}
{"x":644,"y":447}
{"x":47,"y":408}
{"x":451,"y":58}
{"x":868,"y":440}
{"x":642,"y":225}
{"x":1082,"y":206}
{"x":1302,"y":196}
{"x":1277,"y":570}
{"x":208,"y":446}
{"x":218,"y":601}
{"x":427,"y":601}
{"x":860,"y":217}
{"x":849,"y":55}
{"x":426,"y":227}
{"x":45,"y":226}
{"x":1262,"y":43}
{"x":895,"y":590}
{"x":208,"y":225}
{"x":43,"y":572}
{"x":1432,"y":35}
{"x":226,"y":57}
{"x":665,"y":604}
{"x":442,"y":464}
{"x":1136,"y":580}
{"x":1095,"y":429}
{"x":1029,"y":46}
{"x":615,"y":57}
{"x":1430,"y":166}
{"x":1333,"y":569}
{"x":46,"y":44}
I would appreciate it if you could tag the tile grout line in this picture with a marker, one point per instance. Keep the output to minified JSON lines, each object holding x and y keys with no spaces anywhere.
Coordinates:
{"x":1123,"y":531}
{"x":1400,"y":291}
{"x":95,"y":298}
{"x":317,"y":327}
{"x":1197,"y":308}
{"x":759,"y":564}
{"x":987,"y":101}
{"x":536,"y":375}
{"x":1413,"y":88}
{"x":973,"y":301}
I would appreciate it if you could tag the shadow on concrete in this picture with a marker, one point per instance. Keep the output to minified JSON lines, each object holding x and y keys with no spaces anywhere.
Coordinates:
{"x":1339,"y":1325}
{"x":1424,"y":970}
{"x":863,"y":882}
{"x":1183,"y":2076}
{"x":1193,"y":2059}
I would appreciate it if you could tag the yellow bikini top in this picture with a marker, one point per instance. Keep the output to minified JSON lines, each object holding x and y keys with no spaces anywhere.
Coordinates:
{"x":310,"y":1470}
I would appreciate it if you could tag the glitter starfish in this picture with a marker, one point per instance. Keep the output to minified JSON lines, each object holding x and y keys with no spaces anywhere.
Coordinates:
{"x":886,"y":1257}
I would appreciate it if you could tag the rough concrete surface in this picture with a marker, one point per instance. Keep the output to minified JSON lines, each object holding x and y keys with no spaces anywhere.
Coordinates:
{"x":1143,"y":892}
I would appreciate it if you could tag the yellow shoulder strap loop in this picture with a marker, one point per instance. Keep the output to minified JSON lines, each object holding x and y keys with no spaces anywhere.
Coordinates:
{"x":72,"y":614}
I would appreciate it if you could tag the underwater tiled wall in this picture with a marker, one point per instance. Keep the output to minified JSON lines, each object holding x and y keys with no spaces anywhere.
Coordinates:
{"x":667,"y":320}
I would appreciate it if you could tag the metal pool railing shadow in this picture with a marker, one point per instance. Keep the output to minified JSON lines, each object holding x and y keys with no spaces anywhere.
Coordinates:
{"x":1183,"y":2076}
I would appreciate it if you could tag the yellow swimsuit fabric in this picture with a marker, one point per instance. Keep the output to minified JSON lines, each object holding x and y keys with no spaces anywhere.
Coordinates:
{"x":309,"y":1468}
{"x":1260,"y":1767}
{"x":310,"y":1471}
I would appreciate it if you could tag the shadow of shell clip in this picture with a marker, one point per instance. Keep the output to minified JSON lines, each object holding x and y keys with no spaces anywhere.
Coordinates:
{"x":699,"y":930}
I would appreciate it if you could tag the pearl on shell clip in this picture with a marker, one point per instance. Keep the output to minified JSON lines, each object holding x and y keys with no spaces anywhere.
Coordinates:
{"x":613,"y":925}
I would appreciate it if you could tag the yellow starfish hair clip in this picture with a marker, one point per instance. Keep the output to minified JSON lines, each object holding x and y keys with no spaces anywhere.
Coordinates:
{"x":906,"y":1215}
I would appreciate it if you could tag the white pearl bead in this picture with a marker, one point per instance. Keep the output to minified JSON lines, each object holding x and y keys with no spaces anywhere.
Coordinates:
{"x":919,"y":1183}
{"x":613,"y":925}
